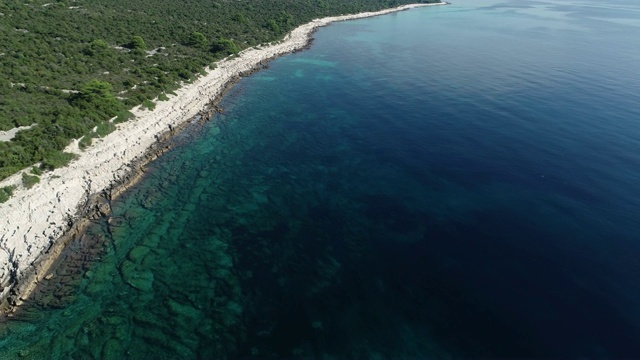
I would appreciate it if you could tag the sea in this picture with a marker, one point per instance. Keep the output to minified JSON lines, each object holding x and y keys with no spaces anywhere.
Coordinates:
{"x":446,"y":182}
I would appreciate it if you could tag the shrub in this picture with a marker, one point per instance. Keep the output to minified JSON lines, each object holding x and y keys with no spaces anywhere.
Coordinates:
{"x":197,"y":39}
{"x":97,"y":46}
{"x":149,"y":104}
{"x":85,"y":142}
{"x":137,"y":43}
{"x":273,"y":26}
{"x":7,"y":171}
{"x":105,"y":129}
{"x":123,"y":116}
{"x":57,"y":159}
{"x":225,"y":46}
{"x":6,"y":192}
{"x":98,"y":96}
{"x":29,"y":180}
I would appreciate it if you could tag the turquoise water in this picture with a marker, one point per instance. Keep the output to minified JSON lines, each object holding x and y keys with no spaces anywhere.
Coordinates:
{"x":454,"y":181}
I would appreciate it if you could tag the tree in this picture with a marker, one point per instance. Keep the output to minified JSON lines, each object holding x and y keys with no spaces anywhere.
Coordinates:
{"x":286,"y":20}
{"x":137,"y":43}
{"x":240,"y":18}
{"x":98,"y":95}
{"x":197,"y":39}
{"x":226,"y":46}
{"x":97,"y":46}
{"x":273,"y":25}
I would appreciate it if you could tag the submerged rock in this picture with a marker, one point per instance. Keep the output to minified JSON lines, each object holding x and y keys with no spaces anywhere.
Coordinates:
{"x":138,"y":253}
{"x":112,"y":350}
{"x":184,"y":311}
{"x":142,"y":281}
{"x":137,"y":278}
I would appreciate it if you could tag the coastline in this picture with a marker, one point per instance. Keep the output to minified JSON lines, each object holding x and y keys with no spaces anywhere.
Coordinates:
{"x":39,"y":222}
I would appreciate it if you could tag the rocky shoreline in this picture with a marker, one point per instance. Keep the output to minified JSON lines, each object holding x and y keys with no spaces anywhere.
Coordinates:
{"x":40,"y":222}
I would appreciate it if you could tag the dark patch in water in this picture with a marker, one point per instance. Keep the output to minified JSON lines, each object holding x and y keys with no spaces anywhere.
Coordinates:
{"x":390,"y":212}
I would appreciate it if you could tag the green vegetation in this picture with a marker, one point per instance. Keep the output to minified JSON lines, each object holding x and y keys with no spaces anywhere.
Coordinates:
{"x":198,"y":39}
{"x":137,"y":43}
{"x":273,"y":26}
{"x":71,"y":66}
{"x":6,"y":192}
{"x":225,"y":46}
{"x":123,"y":116}
{"x":57,"y":159}
{"x":98,"y":99}
{"x":97,"y":47}
{"x":105,"y":129}
{"x":85,"y":142}
{"x":29,"y":180}
{"x":102,"y":130}
{"x":149,"y":104}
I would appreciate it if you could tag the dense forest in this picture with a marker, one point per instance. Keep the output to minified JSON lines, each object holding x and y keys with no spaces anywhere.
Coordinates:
{"x":69,"y":66}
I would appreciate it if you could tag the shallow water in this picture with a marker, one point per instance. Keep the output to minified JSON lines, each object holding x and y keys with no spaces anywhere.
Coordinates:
{"x":442,"y":182}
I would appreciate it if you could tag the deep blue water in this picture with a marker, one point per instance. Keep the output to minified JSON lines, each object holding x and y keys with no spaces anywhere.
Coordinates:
{"x":454,"y":181}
